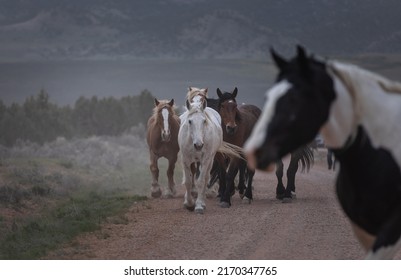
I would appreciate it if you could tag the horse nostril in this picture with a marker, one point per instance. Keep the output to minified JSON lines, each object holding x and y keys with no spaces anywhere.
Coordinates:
{"x":165,"y":136}
{"x":230,"y":129}
{"x":198,"y":146}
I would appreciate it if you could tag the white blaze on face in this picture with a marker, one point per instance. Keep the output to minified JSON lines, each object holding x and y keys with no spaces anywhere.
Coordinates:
{"x":258,"y":135}
{"x":166,"y":130}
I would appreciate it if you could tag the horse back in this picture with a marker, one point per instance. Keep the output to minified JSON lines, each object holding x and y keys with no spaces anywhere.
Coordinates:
{"x":249,"y":115}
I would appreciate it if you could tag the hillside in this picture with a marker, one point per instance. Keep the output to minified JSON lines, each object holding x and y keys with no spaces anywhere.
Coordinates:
{"x":71,"y":29}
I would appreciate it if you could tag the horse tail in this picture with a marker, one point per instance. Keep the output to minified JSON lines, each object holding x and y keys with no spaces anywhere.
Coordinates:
{"x":305,"y":157}
{"x":230,"y":150}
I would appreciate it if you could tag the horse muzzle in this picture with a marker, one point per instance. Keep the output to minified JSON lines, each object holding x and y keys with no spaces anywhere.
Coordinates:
{"x":231,"y":129}
{"x":198,"y":146}
{"x":166,"y":136}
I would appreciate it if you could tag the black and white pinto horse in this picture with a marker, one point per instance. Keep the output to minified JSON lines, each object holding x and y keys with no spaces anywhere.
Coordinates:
{"x":358,"y":114}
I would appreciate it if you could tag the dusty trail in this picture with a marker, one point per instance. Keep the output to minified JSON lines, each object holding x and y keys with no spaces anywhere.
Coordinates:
{"x":311,"y":227}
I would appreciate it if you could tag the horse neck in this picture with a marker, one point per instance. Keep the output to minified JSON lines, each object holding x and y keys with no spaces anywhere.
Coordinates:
{"x":341,"y":122}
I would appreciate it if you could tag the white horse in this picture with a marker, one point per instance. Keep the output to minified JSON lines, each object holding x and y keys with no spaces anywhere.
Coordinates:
{"x":199,"y":138}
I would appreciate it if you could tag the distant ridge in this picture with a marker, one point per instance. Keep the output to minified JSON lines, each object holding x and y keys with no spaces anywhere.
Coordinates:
{"x":124,"y":29}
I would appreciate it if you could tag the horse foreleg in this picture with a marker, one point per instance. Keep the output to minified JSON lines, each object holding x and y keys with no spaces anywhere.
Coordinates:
{"x":221,"y":166}
{"x":291,"y":172}
{"x":188,"y":181}
{"x":201,"y":184}
{"x":248,"y":191}
{"x":225,"y":200}
{"x":154,"y":169}
{"x":242,"y":179}
{"x":280,"y":189}
{"x":170,"y":175}
{"x":195,"y":174}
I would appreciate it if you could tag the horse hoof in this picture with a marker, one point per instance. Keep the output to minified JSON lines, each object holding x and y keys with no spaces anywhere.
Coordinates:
{"x":287,"y":200}
{"x":168,"y":195}
{"x":293,"y":195}
{"x":241,"y":195}
{"x":280,"y":196}
{"x":246,"y":200}
{"x":156,"y":194}
{"x":173,"y":192}
{"x":224,"y":204}
{"x":189,"y":207}
{"x":200,"y":210}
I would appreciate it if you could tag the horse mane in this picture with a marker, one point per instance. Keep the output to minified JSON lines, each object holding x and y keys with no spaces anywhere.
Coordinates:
{"x":352,"y":75}
{"x":193,"y":91}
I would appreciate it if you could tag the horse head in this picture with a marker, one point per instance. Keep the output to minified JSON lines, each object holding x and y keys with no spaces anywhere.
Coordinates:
{"x":164,"y":111}
{"x":228,"y":110}
{"x":296,"y":106}
{"x":196,"y":121}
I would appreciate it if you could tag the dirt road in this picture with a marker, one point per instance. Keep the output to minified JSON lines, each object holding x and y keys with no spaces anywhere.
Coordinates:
{"x":311,"y":227}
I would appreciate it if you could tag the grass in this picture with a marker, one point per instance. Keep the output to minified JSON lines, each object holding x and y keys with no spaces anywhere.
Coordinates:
{"x":81,"y":213}
{"x":45,"y":203}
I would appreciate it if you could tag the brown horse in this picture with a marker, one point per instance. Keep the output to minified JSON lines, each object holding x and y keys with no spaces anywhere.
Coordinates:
{"x":237,"y":123}
{"x":162,"y":135}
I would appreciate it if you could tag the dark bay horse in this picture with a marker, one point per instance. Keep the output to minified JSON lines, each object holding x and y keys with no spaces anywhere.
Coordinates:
{"x":238,"y":122}
{"x":162,"y":134}
{"x":357,"y":112}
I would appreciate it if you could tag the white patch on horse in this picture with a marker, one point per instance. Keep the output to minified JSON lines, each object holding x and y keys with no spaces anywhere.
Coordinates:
{"x":258,"y":135}
{"x":166,"y":129}
{"x":338,"y":127}
{"x":368,"y":99}
{"x":385,"y":253}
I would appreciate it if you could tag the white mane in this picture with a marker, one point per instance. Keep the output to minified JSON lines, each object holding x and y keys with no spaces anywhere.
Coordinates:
{"x":352,"y":76}
{"x":376,"y":104}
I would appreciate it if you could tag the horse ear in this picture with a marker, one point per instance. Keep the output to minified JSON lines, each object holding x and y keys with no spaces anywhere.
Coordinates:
{"x":234,"y":94}
{"x":157,"y":102}
{"x":219,"y":93}
{"x":189,"y":88}
{"x":171,"y":103}
{"x":301,"y":56}
{"x":280,"y":62}
{"x":206,"y":89}
{"x":303,"y":61}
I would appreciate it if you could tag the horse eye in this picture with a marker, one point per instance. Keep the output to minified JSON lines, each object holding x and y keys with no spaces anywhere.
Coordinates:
{"x":189,"y":121}
{"x":204,"y":121}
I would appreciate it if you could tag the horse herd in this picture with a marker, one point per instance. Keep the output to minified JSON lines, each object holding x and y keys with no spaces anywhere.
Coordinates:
{"x":210,"y":135}
{"x":357,"y":113}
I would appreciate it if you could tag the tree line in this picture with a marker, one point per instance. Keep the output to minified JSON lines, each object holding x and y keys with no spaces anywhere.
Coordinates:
{"x":38,"y":120}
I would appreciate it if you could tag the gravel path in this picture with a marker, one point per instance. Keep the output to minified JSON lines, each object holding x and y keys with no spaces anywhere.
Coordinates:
{"x":311,"y":227}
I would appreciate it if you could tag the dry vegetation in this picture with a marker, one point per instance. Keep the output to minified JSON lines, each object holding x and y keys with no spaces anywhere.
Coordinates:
{"x":50,"y":193}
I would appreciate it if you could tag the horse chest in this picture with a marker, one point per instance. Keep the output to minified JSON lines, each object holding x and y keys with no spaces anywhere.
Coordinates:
{"x":369,"y":184}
